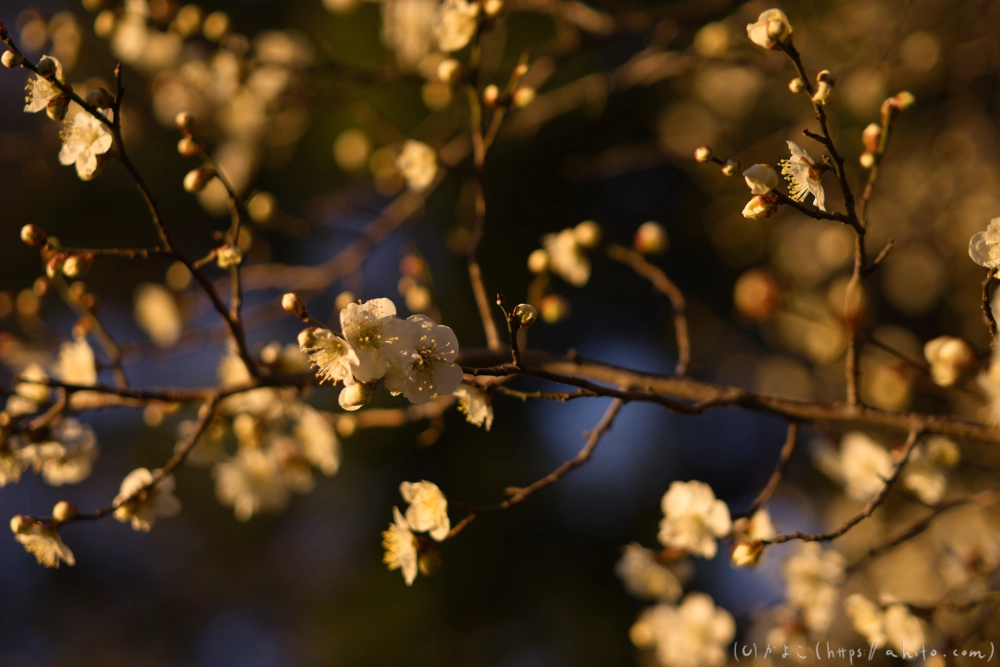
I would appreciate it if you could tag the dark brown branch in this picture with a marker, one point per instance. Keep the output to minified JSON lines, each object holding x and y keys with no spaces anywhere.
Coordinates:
{"x":772,"y":484}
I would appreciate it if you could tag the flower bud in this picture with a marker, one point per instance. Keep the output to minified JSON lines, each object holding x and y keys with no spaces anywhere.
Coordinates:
{"x":491,"y":96}
{"x":307,"y":338}
{"x":520,"y":70}
{"x":492,"y":8}
{"x":871,"y":137}
{"x":77,"y":266}
{"x":761,"y":207}
{"x":588,"y":234}
{"x":867,"y":160}
{"x":553,"y":308}
{"x":47,"y":68}
{"x":228,"y":256}
{"x":651,"y":238}
{"x":100,"y":98}
{"x":731,"y":166}
{"x":196,"y":179}
{"x":523,"y":96}
{"x":892,"y":106}
{"x":57,"y":107}
{"x":11,"y":60}
{"x":184,"y":122}
{"x":538,"y":261}
{"x":796,"y":85}
{"x":822,"y":94}
{"x":430,"y":561}
{"x":356,"y":395}
{"x":187,"y":147}
{"x":33,"y":235}
{"x":746,"y":553}
{"x":19,"y":524}
{"x":294,"y":305}
{"x":525,"y":313}
{"x":64,"y":511}
{"x":703,"y":153}
{"x":449,"y":70}
{"x":950,"y":359}
{"x":54,"y":265}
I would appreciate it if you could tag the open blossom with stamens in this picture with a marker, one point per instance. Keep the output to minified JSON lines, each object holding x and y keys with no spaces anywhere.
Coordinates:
{"x":761,"y":179}
{"x":400,"y":548}
{"x":373,"y":333}
{"x":330,"y":354}
{"x":812,"y":578}
{"x":771,"y":29}
{"x":40,"y":91}
{"x":984,"y":247}
{"x":417,"y":162}
{"x":142,"y":502}
{"x":693,"y":634}
{"x":803,"y":175}
{"x":85,"y":139}
{"x":428,"y":510}
{"x":476,"y":406}
{"x":41,"y":541}
{"x":567,"y":258}
{"x":644,"y":577}
{"x":424,"y":362}
{"x":455,"y":23}
{"x":693,"y":518}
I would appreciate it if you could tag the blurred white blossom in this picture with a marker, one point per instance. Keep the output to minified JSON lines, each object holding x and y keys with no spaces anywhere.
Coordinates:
{"x":693,"y":518}
{"x":400,"y":548}
{"x":812,"y":578}
{"x":476,"y":405}
{"x":566,"y":257}
{"x":455,"y":23}
{"x":861,"y":465}
{"x":644,"y":577}
{"x":417,"y":163}
{"x":693,"y":634}
{"x":142,"y":502}
{"x":41,"y":541}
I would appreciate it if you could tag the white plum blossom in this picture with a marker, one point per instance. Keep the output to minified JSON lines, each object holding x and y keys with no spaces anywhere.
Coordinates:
{"x":812,"y":577}
{"x":476,"y":406}
{"x":984,"y":247}
{"x":41,"y":541}
{"x":761,"y":179}
{"x":142,"y":502}
{"x":76,"y":364}
{"x":333,"y":358}
{"x":316,"y":436}
{"x":771,"y":29}
{"x":417,"y":163}
{"x":251,"y":482}
{"x":924,"y":472}
{"x":693,"y":518}
{"x":644,"y":577}
{"x":371,"y":330}
{"x":40,"y":91}
{"x":428,"y":510}
{"x":693,"y":634}
{"x":424,"y":363}
{"x":455,"y":23}
{"x":567,"y":258}
{"x":68,"y":456}
{"x":903,"y":630}
{"x":861,"y":465}
{"x":157,"y":313}
{"x":867,"y":618}
{"x":400,"y":548}
{"x":85,"y":138}
{"x":803,"y":175}
{"x":950,"y":359}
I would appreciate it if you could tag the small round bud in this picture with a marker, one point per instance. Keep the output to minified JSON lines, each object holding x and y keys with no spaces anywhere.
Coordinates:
{"x":228,"y":256}
{"x":46,"y":68}
{"x":77,"y":266}
{"x":588,"y":234}
{"x":746,"y":553}
{"x":538,"y":261}
{"x":11,"y":60}
{"x":54,"y":266}
{"x":523,"y":96}
{"x":731,"y":166}
{"x":796,"y":85}
{"x":355,"y":396}
{"x":294,"y":305}
{"x":871,"y":137}
{"x":100,"y":98}
{"x":826,"y":76}
{"x":867,"y":160}
{"x":491,"y":95}
{"x":57,"y":107}
{"x":19,"y":524}
{"x":64,"y":511}
{"x":520,"y":70}
{"x":33,"y":235}
{"x":184,"y":122}
{"x":553,"y":308}
{"x":492,"y":7}
{"x":651,"y":238}
{"x":307,"y":338}
{"x":525,"y":314}
{"x":703,"y":153}
{"x":197,"y":179}
{"x":187,"y":147}
{"x":449,"y":70}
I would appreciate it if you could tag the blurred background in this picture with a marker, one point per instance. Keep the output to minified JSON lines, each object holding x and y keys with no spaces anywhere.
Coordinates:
{"x":304,"y":105}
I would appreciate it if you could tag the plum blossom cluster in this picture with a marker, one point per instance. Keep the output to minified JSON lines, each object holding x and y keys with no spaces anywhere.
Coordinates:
{"x":427,"y":513}
{"x":414,"y":357}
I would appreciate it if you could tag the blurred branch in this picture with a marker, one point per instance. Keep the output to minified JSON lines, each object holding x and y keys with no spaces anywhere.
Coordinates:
{"x":772,"y":484}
